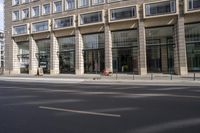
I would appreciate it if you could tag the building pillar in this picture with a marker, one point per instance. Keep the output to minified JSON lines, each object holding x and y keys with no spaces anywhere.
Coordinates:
{"x":79,"y":65}
{"x":12,"y":65}
{"x":54,"y":55}
{"x":180,"y":60}
{"x":142,"y":69}
{"x":33,"y":64}
{"x":108,"y":49}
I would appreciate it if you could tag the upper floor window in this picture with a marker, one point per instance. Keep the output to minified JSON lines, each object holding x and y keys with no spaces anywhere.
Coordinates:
{"x":113,"y":0}
{"x":94,"y":17}
{"x":18,"y":30}
{"x":83,"y":3}
{"x":25,"y":1}
{"x":160,"y":8}
{"x":122,"y":13}
{"x":96,"y":2}
{"x":25,"y":13}
{"x":57,"y":6}
{"x":46,"y":9}
{"x":36,"y":11}
{"x":15,"y":2}
{"x":15,"y":15}
{"x":40,"y":26}
{"x":193,"y":4}
{"x":63,"y":22}
{"x":70,"y":4}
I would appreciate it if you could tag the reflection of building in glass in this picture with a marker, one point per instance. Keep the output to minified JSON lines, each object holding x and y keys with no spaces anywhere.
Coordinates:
{"x":93,"y":36}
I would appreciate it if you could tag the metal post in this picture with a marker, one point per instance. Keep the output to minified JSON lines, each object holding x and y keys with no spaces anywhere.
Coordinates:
{"x":194,"y":76}
{"x":151,"y":76}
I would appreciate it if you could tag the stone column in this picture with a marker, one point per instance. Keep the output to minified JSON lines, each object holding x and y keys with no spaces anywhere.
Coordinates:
{"x":180,"y":59}
{"x":108,"y":49}
{"x":54,"y":55}
{"x":79,"y":65}
{"x":142,"y":49}
{"x":33,"y":64}
{"x":14,"y":64}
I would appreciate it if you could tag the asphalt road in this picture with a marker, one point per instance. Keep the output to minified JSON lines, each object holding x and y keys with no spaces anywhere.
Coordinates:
{"x":82,"y":108}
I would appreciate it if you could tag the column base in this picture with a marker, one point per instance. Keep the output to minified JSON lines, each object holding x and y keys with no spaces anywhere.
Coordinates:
{"x":54,"y":72}
{"x":142,"y":71}
{"x":33,"y":72}
{"x":183,"y":71}
{"x":79,"y":72}
{"x":11,"y":72}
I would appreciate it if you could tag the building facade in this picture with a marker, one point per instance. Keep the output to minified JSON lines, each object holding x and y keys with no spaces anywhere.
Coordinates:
{"x":91,"y":36}
{"x":2,"y":48}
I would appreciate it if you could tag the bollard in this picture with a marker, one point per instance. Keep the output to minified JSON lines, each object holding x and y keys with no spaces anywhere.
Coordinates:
{"x":194,"y":77}
{"x":151,"y":76}
{"x":171,"y":76}
{"x":133,"y":76}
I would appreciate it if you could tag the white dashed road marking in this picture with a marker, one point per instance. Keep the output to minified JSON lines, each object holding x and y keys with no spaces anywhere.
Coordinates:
{"x":79,"y":112}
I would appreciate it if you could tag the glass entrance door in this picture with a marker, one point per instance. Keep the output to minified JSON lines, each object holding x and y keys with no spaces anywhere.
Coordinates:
{"x":67,"y":61}
{"x":94,"y":60}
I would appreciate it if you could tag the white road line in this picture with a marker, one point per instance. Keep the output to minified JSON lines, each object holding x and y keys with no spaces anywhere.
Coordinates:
{"x":79,"y":112}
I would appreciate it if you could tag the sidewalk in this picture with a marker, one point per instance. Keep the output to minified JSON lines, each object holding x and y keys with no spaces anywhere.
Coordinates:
{"x":150,"y":79}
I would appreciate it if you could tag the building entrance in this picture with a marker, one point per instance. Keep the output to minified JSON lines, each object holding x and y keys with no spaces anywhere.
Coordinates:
{"x":67,"y":61}
{"x":43,"y":55}
{"x":23,"y":56}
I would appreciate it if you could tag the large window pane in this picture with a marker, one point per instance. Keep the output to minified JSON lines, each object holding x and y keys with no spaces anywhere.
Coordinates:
{"x":67,"y":54}
{"x":160,"y":8}
{"x":43,"y":54}
{"x":40,"y":26}
{"x":192,"y":32}
{"x":22,"y":29}
{"x":63,"y":22}
{"x":91,"y":18}
{"x":193,"y":4}
{"x":125,"y":51}
{"x":93,"y":47}
{"x":23,"y":56}
{"x":159,"y":48}
{"x":123,"y":13}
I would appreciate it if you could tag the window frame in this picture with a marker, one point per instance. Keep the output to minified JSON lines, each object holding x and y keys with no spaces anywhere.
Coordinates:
{"x":75,"y":6}
{"x":127,"y":19}
{"x":15,"y":17}
{"x":96,"y":23}
{"x":27,"y":29}
{"x":32,"y":11}
{"x":50,"y":7}
{"x":161,"y":15}
{"x":89,"y":3}
{"x":36,"y":32}
{"x":22,"y":12}
{"x":187,"y":10}
{"x":54,"y":11}
{"x":14,"y":3}
{"x":70,"y":27}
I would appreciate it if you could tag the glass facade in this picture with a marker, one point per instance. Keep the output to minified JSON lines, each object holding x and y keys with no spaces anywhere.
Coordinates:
{"x":67,"y":54}
{"x":125,"y":51}
{"x":160,"y":8}
{"x":159,"y":49}
{"x":23,"y":56}
{"x":94,"y":55}
{"x":192,"y":33}
{"x":43,"y":54}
